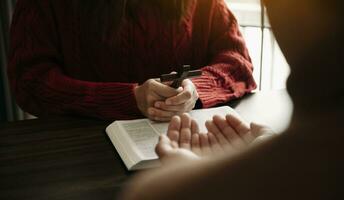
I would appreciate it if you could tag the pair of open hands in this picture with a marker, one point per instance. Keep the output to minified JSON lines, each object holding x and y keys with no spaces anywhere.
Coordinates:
{"x":225,"y":135}
{"x":160,"y":102}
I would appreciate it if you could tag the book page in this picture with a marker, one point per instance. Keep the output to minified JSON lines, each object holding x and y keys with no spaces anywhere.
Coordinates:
{"x":160,"y":127}
{"x":136,"y":139}
{"x":143,"y":135}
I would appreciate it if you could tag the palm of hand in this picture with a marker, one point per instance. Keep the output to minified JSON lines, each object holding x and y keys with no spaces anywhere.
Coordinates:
{"x":228,"y":135}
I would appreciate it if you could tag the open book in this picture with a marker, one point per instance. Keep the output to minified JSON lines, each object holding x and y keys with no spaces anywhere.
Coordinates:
{"x":135,"y":140}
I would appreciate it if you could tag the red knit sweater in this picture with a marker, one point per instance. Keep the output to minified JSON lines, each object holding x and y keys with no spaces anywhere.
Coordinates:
{"x":52,"y":72}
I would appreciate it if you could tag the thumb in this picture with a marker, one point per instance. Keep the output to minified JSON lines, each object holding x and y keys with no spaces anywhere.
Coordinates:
{"x":164,"y":146}
{"x":164,"y":90}
{"x":259,"y":130}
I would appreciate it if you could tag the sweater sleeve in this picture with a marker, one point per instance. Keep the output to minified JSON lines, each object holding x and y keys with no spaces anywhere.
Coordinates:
{"x":36,"y":72}
{"x":229,"y":73}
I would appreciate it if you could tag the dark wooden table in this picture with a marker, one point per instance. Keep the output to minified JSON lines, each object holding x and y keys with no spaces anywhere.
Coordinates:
{"x":62,"y":158}
{"x":72,"y":158}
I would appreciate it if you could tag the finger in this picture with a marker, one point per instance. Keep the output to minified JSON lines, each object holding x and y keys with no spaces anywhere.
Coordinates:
{"x":194,"y":127}
{"x":173,"y":130}
{"x":182,"y":108}
{"x":189,"y":92}
{"x":174,"y":108}
{"x":215,"y":130}
{"x":154,"y":112}
{"x":241,"y":128}
{"x":162,"y":89}
{"x":226,"y":128}
{"x":195,"y":144}
{"x":205,"y":146}
{"x":185,"y":133}
{"x":153,"y":97}
{"x":232,"y":136}
{"x":187,"y":83}
{"x":164,"y":146}
{"x":181,"y":98}
{"x":214,"y":144}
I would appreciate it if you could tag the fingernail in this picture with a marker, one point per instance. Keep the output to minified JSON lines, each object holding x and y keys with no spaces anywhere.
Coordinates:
{"x":157,"y":105}
{"x":151,"y":112}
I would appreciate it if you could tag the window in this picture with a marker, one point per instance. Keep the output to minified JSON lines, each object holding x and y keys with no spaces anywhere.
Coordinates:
{"x":270,"y":67}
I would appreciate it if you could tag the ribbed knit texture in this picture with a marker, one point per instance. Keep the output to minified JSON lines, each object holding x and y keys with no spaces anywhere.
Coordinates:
{"x":52,"y":70}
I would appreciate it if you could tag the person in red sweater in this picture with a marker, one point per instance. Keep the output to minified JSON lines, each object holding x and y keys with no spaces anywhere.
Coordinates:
{"x":100,"y":58}
{"x":302,"y":163}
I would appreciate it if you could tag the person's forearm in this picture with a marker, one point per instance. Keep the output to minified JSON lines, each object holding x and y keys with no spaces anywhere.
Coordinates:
{"x":222,"y":82}
{"x":228,"y":75}
{"x":276,"y":170}
{"x":53,"y":93}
